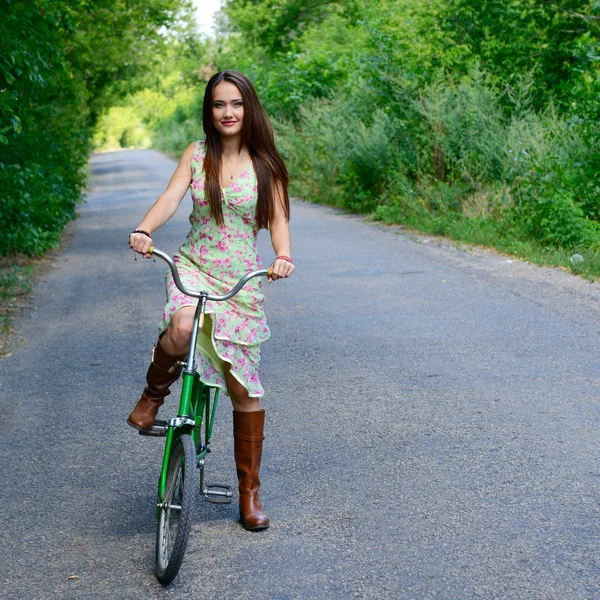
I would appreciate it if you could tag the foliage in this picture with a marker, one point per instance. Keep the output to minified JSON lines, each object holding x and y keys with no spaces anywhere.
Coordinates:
{"x":121,"y":127}
{"x":61,"y":64}
{"x":558,"y":221}
{"x":554,"y":42}
{"x":478,"y":120}
{"x":275,"y":24}
{"x":168,"y":114}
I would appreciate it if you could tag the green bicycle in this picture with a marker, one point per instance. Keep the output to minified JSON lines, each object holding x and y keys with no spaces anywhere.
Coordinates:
{"x":188,"y":437}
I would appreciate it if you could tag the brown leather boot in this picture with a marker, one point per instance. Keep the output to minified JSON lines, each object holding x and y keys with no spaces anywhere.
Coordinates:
{"x":248,"y":436}
{"x":159,"y":379}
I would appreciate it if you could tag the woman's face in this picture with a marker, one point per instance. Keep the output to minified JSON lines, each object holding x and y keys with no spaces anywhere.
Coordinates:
{"x":227,"y":109}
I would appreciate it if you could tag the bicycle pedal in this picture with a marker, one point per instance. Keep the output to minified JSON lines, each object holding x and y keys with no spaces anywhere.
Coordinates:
{"x":158,"y":429}
{"x":217,"y":493}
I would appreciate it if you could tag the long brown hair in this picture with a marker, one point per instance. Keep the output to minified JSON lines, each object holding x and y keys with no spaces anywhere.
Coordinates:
{"x":257,"y":136}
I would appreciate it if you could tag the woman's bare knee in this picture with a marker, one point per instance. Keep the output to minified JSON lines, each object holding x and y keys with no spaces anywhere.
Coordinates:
{"x":239,"y":394}
{"x":179,"y":332}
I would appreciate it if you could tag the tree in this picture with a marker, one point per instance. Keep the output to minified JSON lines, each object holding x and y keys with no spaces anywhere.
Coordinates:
{"x":61,"y":63}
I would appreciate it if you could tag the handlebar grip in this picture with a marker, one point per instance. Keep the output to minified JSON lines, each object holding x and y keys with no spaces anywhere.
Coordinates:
{"x":151,"y":250}
{"x":269,"y":272}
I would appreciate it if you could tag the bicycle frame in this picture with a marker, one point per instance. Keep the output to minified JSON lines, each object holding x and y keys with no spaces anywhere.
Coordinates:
{"x":195,"y":405}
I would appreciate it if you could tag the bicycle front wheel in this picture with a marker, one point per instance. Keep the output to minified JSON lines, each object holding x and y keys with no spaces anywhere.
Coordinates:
{"x":177,"y":510}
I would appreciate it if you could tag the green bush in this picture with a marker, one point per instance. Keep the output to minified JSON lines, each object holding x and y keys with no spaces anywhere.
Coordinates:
{"x":558,"y":221}
{"x":121,"y":127}
{"x":369,"y":159}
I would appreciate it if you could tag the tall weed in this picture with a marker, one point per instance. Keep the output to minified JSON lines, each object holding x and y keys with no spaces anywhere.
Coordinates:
{"x":340,"y":156}
{"x":461,"y":134}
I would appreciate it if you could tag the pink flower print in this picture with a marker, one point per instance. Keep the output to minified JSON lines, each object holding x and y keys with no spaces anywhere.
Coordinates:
{"x":222,"y":246}
{"x":222,"y":262}
{"x":204,"y":250}
{"x":255,"y":189}
{"x":205,"y":220}
{"x":234,"y":187}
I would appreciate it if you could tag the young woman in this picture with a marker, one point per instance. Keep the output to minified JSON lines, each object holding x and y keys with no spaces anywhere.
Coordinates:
{"x":239,"y":185}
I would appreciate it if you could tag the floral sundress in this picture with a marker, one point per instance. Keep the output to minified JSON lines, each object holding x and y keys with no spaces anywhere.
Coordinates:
{"x":213,"y":258}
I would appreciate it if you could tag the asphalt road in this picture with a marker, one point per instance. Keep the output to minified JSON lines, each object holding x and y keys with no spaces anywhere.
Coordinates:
{"x":432,"y":421}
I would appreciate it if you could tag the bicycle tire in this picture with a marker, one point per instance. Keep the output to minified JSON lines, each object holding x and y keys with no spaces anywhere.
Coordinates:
{"x":174,"y":525}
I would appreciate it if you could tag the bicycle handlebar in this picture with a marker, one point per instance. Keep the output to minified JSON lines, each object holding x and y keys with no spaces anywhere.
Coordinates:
{"x":238,"y":286}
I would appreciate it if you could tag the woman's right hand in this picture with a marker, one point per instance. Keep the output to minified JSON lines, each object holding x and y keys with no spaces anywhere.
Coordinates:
{"x":140,"y":243}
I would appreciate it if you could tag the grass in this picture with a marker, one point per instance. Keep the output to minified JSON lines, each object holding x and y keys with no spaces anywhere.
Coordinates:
{"x":497,"y":235}
{"x":16,"y":281}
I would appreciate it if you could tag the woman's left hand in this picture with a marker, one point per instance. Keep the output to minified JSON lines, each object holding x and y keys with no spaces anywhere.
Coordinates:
{"x":280,"y":269}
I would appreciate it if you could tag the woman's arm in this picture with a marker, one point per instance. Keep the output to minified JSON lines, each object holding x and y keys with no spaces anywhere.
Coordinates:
{"x":280,"y":238}
{"x":166,"y":204}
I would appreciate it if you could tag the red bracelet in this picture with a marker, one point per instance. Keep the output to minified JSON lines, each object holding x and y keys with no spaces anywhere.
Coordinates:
{"x":287,"y":258}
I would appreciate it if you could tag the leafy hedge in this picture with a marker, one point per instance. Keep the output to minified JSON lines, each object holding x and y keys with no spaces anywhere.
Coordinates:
{"x":61,"y":65}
